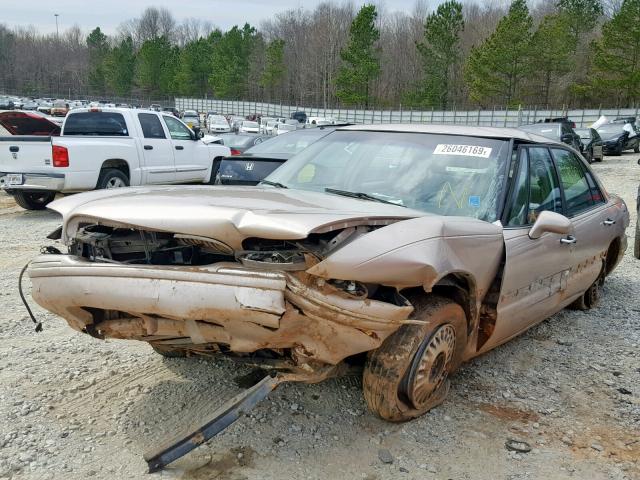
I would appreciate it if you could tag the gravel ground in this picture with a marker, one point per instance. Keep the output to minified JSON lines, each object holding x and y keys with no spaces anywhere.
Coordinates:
{"x":73,"y":407}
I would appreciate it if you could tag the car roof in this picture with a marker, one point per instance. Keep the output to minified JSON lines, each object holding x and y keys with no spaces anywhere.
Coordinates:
{"x":505,"y":133}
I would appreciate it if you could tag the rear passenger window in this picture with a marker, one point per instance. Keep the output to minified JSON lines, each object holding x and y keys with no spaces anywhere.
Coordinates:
{"x":151,"y":126}
{"x":96,"y":123}
{"x":577,"y":193}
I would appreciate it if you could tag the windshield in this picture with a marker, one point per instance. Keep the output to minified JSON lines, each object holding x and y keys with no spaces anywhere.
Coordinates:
{"x":544,"y":129}
{"x":250,"y":124}
{"x":442,"y":174}
{"x":584,"y":133}
{"x":291,"y":143}
{"x":611,"y":131}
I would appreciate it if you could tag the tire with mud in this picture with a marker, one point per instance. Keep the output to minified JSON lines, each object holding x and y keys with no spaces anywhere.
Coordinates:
{"x":33,"y":200}
{"x":409,"y":373}
{"x":591,"y":297}
{"x":169,"y":352}
{"x":112,"y":178}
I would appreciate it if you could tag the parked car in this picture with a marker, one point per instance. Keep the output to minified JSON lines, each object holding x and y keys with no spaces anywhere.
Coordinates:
{"x":172,"y":110}
{"x":103,"y":149}
{"x":254,"y":164}
{"x":566,"y":120}
{"x":282,"y":128}
{"x":248,"y":126}
{"x":559,"y":131}
{"x":27,"y":123}
{"x":412,"y":243}
{"x":301,"y":117}
{"x":239,"y":142}
{"x":60,"y":108}
{"x":591,"y":144}
{"x":320,"y":121}
{"x":217,"y":124}
{"x":155,"y":107}
{"x":30,"y":105}
{"x":191,"y":118}
{"x":45,"y":107}
{"x":6,"y":104}
{"x":618,"y":137}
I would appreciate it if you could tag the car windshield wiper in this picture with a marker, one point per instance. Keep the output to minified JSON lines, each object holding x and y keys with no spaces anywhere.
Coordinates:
{"x":361,"y":196}
{"x":274,"y":184}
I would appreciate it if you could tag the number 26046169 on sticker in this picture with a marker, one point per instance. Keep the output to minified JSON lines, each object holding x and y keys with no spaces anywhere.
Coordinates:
{"x":463,"y":150}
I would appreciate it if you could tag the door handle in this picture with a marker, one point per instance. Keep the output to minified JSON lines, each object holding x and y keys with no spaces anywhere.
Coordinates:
{"x":179,"y":147}
{"x":14,"y":149}
{"x":608,"y":222}
{"x":568,"y":240}
{"x":148,"y":147}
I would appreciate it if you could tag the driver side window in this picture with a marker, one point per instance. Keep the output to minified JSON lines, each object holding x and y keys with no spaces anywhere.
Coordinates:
{"x":177,"y":130}
{"x":536,"y":188}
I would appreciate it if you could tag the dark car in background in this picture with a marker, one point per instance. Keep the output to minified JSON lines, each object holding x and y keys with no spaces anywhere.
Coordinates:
{"x":301,"y":117}
{"x":6,"y":104}
{"x":239,"y":142}
{"x":172,"y":110}
{"x":256,"y":163}
{"x":559,"y":131}
{"x":616,"y":138}
{"x":591,"y":144}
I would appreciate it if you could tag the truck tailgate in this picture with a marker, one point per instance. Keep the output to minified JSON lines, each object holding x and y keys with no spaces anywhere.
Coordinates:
{"x":25,"y":154}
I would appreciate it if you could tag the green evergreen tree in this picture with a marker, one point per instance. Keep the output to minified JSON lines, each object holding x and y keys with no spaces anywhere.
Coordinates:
{"x":156,"y":65}
{"x":119,"y":67}
{"x":274,"y":69}
{"x":194,"y":68}
{"x":441,"y":53}
{"x":552,"y":46}
{"x":230,"y":60}
{"x":97,"y":49}
{"x":361,"y":62}
{"x":616,"y":56}
{"x":581,"y":16}
{"x":496,"y":68}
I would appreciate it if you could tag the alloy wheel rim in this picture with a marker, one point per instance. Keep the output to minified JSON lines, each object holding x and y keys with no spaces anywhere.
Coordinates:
{"x":433,"y":365}
{"x":115,"y":182}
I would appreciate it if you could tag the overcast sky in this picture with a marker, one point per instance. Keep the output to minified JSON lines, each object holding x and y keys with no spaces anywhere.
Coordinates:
{"x":108,"y":14}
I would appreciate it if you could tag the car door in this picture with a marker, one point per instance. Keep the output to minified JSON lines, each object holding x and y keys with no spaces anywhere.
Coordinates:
{"x":535,"y":270}
{"x":596,"y":143}
{"x":159,"y":166}
{"x":190,"y":155}
{"x":592,"y":218}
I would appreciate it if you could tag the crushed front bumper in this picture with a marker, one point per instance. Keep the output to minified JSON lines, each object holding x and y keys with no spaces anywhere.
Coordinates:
{"x":224,"y":303}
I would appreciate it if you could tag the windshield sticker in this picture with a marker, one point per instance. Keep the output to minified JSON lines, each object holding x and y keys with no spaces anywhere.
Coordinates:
{"x":466,"y":170}
{"x":459,"y":200}
{"x":463,"y":150}
{"x":474,"y":201}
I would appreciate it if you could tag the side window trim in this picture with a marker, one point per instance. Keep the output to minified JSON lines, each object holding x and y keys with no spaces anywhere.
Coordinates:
{"x":560,"y":183}
{"x":512,"y":193}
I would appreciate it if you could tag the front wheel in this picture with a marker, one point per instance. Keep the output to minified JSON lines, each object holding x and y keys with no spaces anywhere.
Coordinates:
{"x":409,"y":373}
{"x":33,"y":200}
{"x":636,"y":149}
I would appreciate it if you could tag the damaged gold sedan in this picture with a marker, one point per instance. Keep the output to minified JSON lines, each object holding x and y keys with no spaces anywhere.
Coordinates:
{"x":406,"y":249}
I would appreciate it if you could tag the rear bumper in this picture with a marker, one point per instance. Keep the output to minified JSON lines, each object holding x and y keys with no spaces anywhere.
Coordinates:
{"x":36,"y":181}
{"x":246,"y":310}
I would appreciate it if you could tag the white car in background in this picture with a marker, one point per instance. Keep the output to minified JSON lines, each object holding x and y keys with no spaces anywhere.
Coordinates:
{"x":281,"y":128}
{"x":249,"y":127}
{"x":320,"y":121}
{"x":270,"y":125}
{"x":218,"y":124}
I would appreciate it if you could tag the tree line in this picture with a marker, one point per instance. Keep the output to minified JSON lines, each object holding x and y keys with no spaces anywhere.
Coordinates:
{"x":460,"y":55}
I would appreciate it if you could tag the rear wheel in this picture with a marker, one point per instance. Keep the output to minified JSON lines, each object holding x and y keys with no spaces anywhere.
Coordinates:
{"x":33,"y":200}
{"x":409,"y":373}
{"x":112,"y":178}
{"x":636,"y":149}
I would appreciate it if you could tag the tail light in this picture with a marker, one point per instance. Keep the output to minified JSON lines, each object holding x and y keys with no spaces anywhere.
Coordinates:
{"x":235,"y":151}
{"x":60,"y":156}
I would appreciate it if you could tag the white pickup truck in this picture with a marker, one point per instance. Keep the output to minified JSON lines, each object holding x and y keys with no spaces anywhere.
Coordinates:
{"x":100,"y":148}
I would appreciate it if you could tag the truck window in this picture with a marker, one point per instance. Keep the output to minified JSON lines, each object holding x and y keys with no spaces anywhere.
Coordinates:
{"x":151,"y":126}
{"x":177,"y":129}
{"x":96,"y":123}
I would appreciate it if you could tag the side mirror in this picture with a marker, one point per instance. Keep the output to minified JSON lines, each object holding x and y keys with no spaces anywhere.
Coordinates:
{"x":198,"y":132}
{"x":550,"y":222}
{"x":566,"y":138}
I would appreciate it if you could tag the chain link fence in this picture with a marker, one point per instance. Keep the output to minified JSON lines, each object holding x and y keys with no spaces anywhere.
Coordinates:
{"x":486,"y":118}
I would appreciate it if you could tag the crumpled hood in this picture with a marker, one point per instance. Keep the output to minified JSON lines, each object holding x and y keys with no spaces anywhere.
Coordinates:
{"x":227,"y":214}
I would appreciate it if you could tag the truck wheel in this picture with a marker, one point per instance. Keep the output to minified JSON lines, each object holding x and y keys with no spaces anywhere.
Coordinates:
{"x":112,"y":178}
{"x":34,"y":200}
{"x":168,"y":352}
{"x":409,"y":373}
{"x":636,"y":244}
{"x":636,"y":149}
